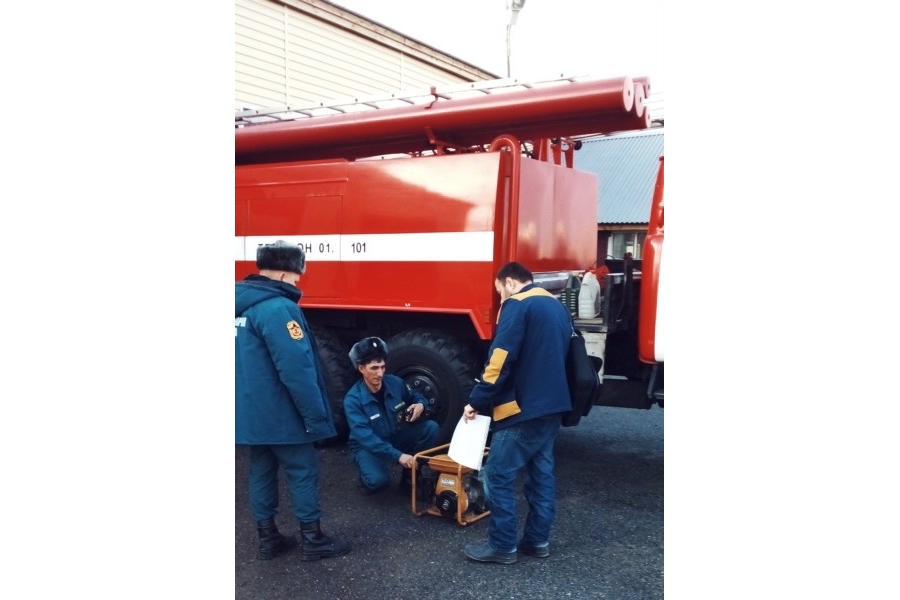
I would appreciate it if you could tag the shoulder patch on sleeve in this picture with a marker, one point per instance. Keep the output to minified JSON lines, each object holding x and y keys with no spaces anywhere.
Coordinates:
{"x":294,"y":330}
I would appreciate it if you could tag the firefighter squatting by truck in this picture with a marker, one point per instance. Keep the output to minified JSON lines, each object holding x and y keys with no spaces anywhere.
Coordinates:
{"x":407,"y":207}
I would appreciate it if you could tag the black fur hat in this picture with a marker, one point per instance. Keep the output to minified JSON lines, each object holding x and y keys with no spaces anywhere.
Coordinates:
{"x":281,"y":256}
{"x":366,"y":349}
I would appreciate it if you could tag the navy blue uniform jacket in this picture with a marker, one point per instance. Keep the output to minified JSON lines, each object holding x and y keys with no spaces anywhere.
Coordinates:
{"x":525,"y":373}
{"x":371,"y":424}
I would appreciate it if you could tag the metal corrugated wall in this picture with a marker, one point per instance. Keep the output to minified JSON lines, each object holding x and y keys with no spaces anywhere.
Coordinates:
{"x":285,"y":57}
{"x":626,"y":166}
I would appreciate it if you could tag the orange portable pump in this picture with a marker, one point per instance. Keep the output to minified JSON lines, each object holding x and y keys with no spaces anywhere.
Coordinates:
{"x":445,"y":488}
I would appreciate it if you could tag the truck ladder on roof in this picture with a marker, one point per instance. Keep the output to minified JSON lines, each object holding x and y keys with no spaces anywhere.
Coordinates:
{"x":463,"y":117}
{"x":251,"y":116}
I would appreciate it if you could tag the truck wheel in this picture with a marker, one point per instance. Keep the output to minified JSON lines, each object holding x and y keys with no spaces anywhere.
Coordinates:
{"x":437,"y":366}
{"x":339,"y":376}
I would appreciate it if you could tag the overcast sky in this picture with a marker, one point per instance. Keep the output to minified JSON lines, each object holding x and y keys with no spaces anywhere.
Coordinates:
{"x":550,"y":37}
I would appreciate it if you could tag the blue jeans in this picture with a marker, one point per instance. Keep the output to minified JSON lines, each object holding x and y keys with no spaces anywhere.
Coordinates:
{"x":302,"y":472}
{"x":526,"y":446}
{"x":374,"y":471}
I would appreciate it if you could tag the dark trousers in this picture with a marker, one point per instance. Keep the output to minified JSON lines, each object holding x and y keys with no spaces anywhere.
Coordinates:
{"x":301,"y":469}
{"x":374,"y":471}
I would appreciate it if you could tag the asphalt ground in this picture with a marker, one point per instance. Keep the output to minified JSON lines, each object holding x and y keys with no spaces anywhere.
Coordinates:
{"x":607,"y":541}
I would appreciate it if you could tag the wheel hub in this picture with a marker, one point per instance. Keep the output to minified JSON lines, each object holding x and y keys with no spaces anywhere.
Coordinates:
{"x":425,"y":384}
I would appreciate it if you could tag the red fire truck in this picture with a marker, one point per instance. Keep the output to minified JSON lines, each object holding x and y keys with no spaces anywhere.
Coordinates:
{"x":408,"y":205}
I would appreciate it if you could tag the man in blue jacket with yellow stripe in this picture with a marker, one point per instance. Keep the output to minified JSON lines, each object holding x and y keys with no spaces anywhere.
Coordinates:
{"x":524,"y":389}
{"x":281,"y":406}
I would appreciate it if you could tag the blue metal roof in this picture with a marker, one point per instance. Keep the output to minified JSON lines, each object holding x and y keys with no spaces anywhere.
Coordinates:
{"x":626,"y":165}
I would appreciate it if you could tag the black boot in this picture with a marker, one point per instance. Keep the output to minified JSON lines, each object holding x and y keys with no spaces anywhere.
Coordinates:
{"x":271,"y":542}
{"x":317,"y":545}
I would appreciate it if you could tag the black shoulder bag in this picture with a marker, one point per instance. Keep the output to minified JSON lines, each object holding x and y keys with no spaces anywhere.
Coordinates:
{"x":584,"y":381}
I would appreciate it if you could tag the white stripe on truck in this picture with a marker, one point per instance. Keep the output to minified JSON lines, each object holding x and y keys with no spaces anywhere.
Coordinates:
{"x":454,"y":246}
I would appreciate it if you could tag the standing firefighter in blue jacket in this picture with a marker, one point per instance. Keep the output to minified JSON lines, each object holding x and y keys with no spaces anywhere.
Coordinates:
{"x":388,"y":420}
{"x":524,"y":389}
{"x":281,"y":406}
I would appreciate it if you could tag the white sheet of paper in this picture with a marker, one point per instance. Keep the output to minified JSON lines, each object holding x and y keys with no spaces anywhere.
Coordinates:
{"x":468,"y":441}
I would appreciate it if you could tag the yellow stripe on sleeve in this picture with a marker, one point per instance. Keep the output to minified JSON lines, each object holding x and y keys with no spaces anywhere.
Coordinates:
{"x":494,"y":366}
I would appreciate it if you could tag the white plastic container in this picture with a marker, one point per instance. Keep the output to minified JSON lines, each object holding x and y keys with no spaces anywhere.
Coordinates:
{"x":587,"y":296}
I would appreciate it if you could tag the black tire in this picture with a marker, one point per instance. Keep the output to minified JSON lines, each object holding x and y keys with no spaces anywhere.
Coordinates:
{"x":339,"y":376}
{"x":439,"y":367}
